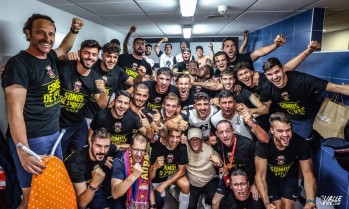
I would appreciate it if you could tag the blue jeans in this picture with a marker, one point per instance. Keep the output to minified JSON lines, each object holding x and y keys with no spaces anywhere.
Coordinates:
{"x":303,"y":128}
{"x":41,"y":146}
{"x":75,"y":137}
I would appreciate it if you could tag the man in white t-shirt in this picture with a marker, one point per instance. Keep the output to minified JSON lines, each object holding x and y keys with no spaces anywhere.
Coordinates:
{"x":165,"y":59}
{"x":201,"y":170}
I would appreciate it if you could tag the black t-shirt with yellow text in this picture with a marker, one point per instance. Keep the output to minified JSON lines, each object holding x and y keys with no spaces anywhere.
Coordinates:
{"x":76,"y":90}
{"x":112,"y":80}
{"x":155,"y":99}
{"x":283,"y":163}
{"x":121,"y":130}
{"x":297,"y":97}
{"x":130,"y":64}
{"x":173,"y":158}
{"x":40,"y":78}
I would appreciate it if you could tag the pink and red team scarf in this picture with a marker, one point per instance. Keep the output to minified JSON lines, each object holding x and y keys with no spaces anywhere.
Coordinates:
{"x":139,"y":192}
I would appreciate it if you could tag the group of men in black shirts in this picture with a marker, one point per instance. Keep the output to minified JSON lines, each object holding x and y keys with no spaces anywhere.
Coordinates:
{"x":207,"y":122}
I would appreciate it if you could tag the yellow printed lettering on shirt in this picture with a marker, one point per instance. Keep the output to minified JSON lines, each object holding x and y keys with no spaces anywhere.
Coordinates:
{"x":280,"y":171}
{"x":118,"y":139}
{"x":132,"y":73}
{"x":292,"y":108}
{"x":52,"y":97}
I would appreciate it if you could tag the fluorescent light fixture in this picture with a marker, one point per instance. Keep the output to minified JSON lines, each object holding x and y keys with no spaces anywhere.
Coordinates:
{"x":186,"y":31}
{"x":187,"y":7}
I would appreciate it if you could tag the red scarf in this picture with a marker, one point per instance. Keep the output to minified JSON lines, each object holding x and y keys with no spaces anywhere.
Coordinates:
{"x":139,"y":192}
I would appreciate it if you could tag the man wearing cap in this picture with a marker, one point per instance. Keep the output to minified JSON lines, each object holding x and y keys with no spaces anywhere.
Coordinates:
{"x":201,"y":170}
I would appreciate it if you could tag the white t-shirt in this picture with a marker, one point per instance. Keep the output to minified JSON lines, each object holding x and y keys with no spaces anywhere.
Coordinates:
{"x":237,"y":122}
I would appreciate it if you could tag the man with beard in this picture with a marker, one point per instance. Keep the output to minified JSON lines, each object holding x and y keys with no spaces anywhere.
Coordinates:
{"x":162,"y":87}
{"x":277,"y":166}
{"x":78,"y":83}
{"x":230,"y":47}
{"x":130,"y":182}
{"x":31,"y":83}
{"x":168,"y":162}
{"x":197,"y":116}
{"x":89,"y":173}
{"x":140,"y":96}
{"x":121,"y":122}
{"x":133,"y":63}
{"x":241,"y":120}
{"x":182,"y":67}
{"x":241,"y":189}
{"x":165,"y":59}
{"x":112,"y":76}
{"x":294,"y":93}
{"x":201,"y":169}
{"x":147,"y":56}
{"x":236,"y":151}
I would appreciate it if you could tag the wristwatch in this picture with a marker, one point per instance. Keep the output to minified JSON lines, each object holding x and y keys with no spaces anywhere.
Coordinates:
{"x":152,"y":206}
{"x":92,"y":187}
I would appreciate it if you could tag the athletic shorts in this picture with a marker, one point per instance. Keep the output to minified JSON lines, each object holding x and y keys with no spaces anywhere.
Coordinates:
{"x":283,"y":188}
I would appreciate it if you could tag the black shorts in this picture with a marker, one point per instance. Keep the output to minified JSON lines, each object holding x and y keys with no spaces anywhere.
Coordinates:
{"x":283,"y":188}
{"x":222,"y":188}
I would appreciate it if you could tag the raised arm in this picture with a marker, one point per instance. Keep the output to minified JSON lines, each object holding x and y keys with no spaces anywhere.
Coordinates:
{"x":295,"y":62}
{"x":127,"y":38}
{"x":84,"y":194}
{"x":244,"y":43}
{"x":119,"y":187}
{"x":69,"y":39}
{"x":279,"y":41}
{"x":102,"y":97}
{"x":157,"y":46}
{"x":211,"y":48}
{"x":337,"y":88}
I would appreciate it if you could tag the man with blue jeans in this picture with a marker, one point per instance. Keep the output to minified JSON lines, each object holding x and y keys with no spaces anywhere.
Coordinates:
{"x":32,"y":86}
{"x":78,"y":84}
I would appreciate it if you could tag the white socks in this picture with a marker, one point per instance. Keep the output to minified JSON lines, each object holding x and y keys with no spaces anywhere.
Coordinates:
{"x":183,"y":200}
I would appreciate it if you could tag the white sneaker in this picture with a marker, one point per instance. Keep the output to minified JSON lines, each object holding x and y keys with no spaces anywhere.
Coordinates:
{"x":174,"y":193}
{"x":204,"y":204}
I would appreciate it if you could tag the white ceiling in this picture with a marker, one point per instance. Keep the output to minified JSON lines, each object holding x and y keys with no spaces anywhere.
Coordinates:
{"x":158,"y":18}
